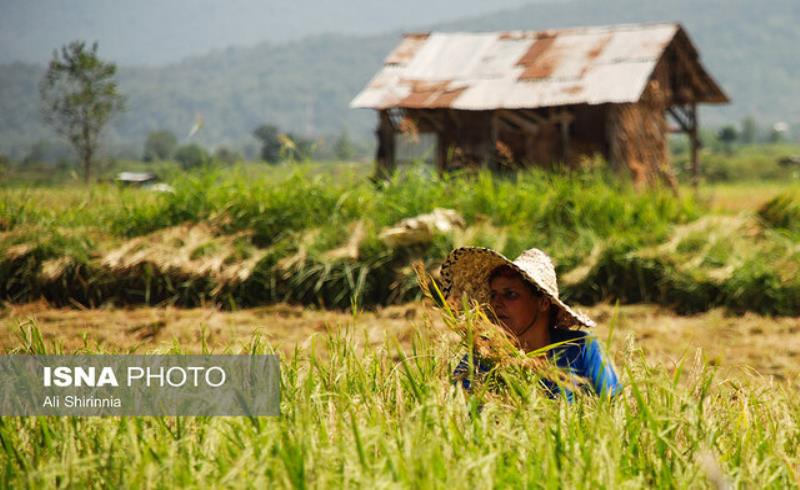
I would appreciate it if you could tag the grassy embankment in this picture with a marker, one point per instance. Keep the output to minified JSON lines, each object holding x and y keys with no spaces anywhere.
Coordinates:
{"x":236,"y":239}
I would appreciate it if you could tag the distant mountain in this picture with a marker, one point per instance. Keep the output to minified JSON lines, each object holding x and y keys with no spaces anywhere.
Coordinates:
{"x":305,"y":86}
{"x":157,"y":32}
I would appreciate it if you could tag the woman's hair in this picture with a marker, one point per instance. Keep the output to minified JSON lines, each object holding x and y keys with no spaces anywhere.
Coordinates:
{"x":510,"y":272}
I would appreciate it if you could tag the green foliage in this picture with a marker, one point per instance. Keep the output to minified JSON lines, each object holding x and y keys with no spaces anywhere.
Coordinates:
{"x":192,"y":156}
{"x":160,"y":145}
{"x":749,"y":130}
{"x":277,"y":146}
{"x":609,"y":242}
{"x":782,"y":211}
{"x":357,"y":416}
{"x":50,"y":152}
{"x":343,"y":148}
{"x":778,"y":133}
{"x":226,"y":156}
{"x":267,"y":134}
{"x":742,"y":163}
{"x":5,"y":164}
{"x":727,"y":135}
{"x":295,"y":148}
{"x":79,"y":96}
{"x":323,"y":73}
{"x":564,"y":214}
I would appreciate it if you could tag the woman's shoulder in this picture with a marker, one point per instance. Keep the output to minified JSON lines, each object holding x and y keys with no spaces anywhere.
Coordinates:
{"x":571,"y":346}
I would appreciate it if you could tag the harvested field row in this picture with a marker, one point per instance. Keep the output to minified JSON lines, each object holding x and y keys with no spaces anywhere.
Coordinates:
{"x":734,"y":343}
{"x":315,"y":242}
{"x":715,"y":261}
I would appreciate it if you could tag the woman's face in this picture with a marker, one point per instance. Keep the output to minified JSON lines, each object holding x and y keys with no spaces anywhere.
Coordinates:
{"x":514,"y":303}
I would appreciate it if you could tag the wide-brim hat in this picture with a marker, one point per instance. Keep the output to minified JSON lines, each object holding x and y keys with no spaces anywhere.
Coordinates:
{"x":466,"y":271}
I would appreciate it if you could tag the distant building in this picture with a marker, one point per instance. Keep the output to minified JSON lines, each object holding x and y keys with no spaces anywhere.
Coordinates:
{"x":513,"y":99}
{"x":147,"y":180}
{"x":136,"y":178}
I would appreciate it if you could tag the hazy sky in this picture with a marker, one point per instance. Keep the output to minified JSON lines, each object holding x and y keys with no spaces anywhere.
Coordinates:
{"x":163,"y":31}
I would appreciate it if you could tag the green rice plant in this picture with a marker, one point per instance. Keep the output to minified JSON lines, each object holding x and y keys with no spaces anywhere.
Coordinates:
{"x":757,"y":286}
{"x":17,"y":268}
{"x":361,"y":417}
{"x":782,"y":212}
{"x":300,"y":216}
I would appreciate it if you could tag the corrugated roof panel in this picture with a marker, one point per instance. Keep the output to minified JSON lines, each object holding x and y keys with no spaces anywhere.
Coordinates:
{"x":449,"y":56}
{"x":600,"y":84}
{"x":540,"y":60}
{"x":499,"y":61}
{"x":617,"y":83}
{"x":383,"y":91}
{"x":573,"y":54}
{"x":406,"y":50}
{"x":513,"y":70}
{"x":637,"y":45}
{"x":485,"y":93}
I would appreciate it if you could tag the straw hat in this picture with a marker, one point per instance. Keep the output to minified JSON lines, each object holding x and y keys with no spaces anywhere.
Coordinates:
{"x":466,"y":271}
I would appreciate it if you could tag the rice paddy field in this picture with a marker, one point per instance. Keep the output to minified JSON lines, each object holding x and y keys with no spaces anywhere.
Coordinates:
{"x":697,"y":297}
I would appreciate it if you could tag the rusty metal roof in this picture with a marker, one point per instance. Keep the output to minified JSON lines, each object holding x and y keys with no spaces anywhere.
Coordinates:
{"x":514,"y":70}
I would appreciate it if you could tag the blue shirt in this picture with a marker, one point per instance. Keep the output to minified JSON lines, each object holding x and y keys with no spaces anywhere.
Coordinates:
{"x":581,"y":356}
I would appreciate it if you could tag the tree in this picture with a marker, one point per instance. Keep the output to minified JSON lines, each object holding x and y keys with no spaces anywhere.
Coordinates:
{"x":191,"y":155}
{"x":160,"y":145}
{"x":226,"y":155}
{"x":295,"y":148}
{"x":5,"y":165}
{"x":268,"y":134}
{"x":749,"y":131}
{"x":277,"y":146}
{"x":778,"y":132}
{"x":79,"y":96}
{"x":45,"y":151}
{"x":343,"y":148}
{"x":727,"y":136}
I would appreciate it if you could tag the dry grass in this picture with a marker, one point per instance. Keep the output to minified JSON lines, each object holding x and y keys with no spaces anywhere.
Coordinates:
{"x":735,"y":343}
{"x":145,"y":329}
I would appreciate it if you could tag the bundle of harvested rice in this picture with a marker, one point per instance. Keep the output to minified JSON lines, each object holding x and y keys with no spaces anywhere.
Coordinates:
{"x":490,"y":342}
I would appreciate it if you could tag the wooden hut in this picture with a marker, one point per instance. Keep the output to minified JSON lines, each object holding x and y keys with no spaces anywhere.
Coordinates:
{"x":511,"y":99}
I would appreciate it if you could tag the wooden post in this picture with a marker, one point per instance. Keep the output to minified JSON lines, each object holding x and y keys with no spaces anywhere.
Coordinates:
{"x":491,"y":154}
{"x":384,"y":157}
{"x":442,"y":142}
{"x":564,"y":139}
{"x":612,"y":140}
{"x":441,"y":151}
{"x":695,"y":144}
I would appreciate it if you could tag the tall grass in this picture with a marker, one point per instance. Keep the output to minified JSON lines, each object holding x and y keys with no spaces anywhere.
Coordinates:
{"x":294,"y":218}
{"x":390,"y":418}
{"x":782,"y":212}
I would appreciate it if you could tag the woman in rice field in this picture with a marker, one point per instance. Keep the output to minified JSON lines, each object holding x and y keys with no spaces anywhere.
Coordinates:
{"x":523,"y":296}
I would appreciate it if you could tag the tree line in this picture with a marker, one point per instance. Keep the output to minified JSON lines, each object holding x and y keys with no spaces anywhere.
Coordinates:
{"x":80,"y":94}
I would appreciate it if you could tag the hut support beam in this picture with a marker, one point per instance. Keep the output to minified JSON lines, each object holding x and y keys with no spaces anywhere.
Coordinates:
{"x":441,"y":152}
{"x":520,"y":121}
{"x":564,"y":141}
{"x":683,"y":118}
{"x":688,"y":123}
{"x":385,"y":155}
{"x":695,"y":140}
{"x":491,"y":161}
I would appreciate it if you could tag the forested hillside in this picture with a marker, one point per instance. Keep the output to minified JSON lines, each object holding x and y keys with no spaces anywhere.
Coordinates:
{"x":305,"y":86}
{"x":157,"y":32}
